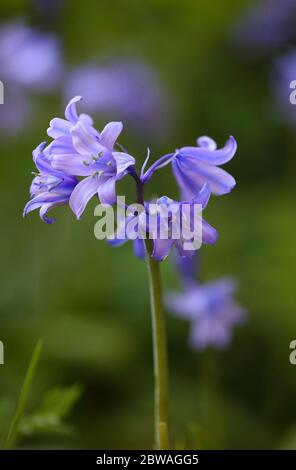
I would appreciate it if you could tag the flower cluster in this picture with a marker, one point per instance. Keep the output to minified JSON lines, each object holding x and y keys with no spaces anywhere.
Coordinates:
{"x":81,"y":162}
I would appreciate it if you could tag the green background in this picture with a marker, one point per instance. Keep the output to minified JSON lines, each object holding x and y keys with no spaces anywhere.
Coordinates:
{"x":90,"y":302}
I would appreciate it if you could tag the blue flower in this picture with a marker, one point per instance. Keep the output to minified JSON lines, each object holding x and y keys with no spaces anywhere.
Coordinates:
{"x":211,"y":310}
{"x":164,"y":222}
{"x":79,"y":149}
{"x":49,"y":188}
{"x":195,"y":166}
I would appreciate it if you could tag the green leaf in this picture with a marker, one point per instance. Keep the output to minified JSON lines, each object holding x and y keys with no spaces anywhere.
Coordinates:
{"x":48,"y":416}
{"x":60,"y":400}
{"x":24,"y":394}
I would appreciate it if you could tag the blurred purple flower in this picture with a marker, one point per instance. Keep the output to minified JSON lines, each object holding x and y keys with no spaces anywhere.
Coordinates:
{"x":79,"y":149}
{"x":15,"y":112}
{"x":49,"y":188}
{"x":266,"y":25}
{"x":126,"y":88}
{"x":195,"y":166}
{"x":211,"y":309}
{"x":188,"y":268}
{"x":29,"y":58}
{"x":282,"y":74}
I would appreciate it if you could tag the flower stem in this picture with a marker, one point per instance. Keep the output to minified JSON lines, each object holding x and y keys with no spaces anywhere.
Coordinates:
{"x":159,"y":352}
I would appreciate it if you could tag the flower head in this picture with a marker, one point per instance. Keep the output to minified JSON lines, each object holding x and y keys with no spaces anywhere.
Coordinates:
{"x":195,"y":166}
{"x":211,"y":310}
{"x":49,"y":188}
{"x":123,"y":87}
{"x":29,"y":58}
{"x":169,"y":224}
{"x":79,"y":149}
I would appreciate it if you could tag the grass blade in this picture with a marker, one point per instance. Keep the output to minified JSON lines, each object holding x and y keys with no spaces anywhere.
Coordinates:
{"x":24,"y":393}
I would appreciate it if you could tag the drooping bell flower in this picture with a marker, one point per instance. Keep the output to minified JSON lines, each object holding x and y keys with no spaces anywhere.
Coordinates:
{"x":211,"y":310}
{"x":79,"y":149}
{"x":29,"y":58}
{"x":49,"y":188}
{"x":169,"y":224}
{"x":195,"y":166}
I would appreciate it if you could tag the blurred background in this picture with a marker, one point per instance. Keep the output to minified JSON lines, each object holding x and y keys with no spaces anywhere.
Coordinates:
{"x":171,"y":71}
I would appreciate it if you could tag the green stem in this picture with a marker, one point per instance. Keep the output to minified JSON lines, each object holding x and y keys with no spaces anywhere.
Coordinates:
{"x":159,"y":352}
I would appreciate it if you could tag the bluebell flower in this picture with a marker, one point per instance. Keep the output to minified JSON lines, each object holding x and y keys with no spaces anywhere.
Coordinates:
{"x":79,"y":149}
{"x":49,"y":188}
{"x":29,"y":58}
{"x":124,"y":87}
{"x":15,"y":112}
{"x":160,"y":221}
{"x":211,"y":310}
{"x":195,"y":166}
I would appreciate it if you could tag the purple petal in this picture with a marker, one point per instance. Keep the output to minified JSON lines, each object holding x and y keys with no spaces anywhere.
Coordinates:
{"x":203,"y":196}
{"x":209,"y":234}
{"x":70,"y":111}
{"x":44,"y":210}
{"x":139,"y":248}
{"x":85,"y":139}
{"x":123,"y":162}
{"x":82,"y":194}
{"x":207,"y":153}
{"x":192,"y":174}
{"x":61,"y":145}
{"x":59,"y":128}
{"x":44,"y":198}
{"x":72,"y":164}
{"x":110,"y":134}
{"x":161,"y":248}
{"x":106,"y":191}
{"x":206,"y":142}
{"x":206,"y":332}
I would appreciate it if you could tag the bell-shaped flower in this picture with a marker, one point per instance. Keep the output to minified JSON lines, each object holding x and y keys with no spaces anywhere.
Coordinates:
{"x":79,"y":149}
{"x":195,"y":166}
{"x":49,"y":188}
{"x":211,"y":310}
{"x":169,"y":224}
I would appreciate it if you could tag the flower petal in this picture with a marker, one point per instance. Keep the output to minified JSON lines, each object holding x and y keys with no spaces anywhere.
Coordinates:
{"x":61,"y":145}
{"x":106,"y":191}
{"x":58,"y":128}
{"x":82,"y":194}
{"x":47,"y":207}
{"x":203,"y":196}
{"x":161,"y":248}
{"x":44,"y":198}
{"x":110,"y":134}
{"x":72,"y":164}
{"x":192,"y":174}
{"x":209,"y":234}
{"x":85,"y":139}
{"x":206,"y":332}
{"x":207,"y":153}
{"x":139,"y":248}
{"x":123,"y":162}
{"x":70,"y":111}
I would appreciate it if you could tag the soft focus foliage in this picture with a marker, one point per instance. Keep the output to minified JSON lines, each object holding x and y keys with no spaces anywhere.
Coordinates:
{"x":90,"y":302}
